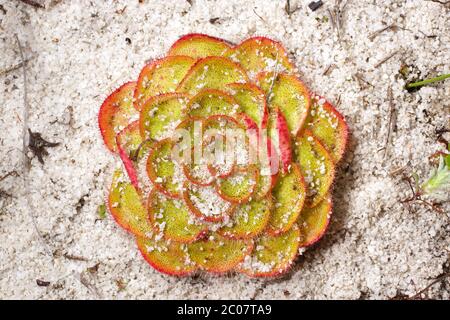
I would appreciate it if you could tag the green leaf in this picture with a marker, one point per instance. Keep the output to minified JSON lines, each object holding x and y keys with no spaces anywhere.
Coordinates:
{"x":101,"y":211}
{"x":427,"y":81}
{"x":439,"y":178}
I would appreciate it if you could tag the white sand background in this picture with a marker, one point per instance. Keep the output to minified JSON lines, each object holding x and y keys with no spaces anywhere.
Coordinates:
{"x":374,"y":248}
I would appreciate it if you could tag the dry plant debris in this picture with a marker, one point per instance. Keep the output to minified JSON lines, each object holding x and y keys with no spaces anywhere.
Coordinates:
{"x":39,"y":146}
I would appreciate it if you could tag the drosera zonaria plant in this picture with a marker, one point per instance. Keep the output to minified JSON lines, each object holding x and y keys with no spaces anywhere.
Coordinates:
{"x":251,"y":205}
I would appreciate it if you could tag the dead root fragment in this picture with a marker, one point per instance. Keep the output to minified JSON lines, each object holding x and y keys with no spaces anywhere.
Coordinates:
{"x":14,"y":67}
{"x":439,"y":279}
{"x":423,"y":293}
{"x":417,"y":197}
{"x":39,"y":146}
{"x":9,"y":174}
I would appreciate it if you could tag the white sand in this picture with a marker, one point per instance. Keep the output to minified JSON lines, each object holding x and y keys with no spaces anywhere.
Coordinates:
{"x":375,"y":248}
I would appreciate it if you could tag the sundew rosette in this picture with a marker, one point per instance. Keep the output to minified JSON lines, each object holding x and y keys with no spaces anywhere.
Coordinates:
{"x":228,"y":159}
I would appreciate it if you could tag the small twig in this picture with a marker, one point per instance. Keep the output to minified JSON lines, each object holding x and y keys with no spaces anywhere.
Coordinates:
{"x":287,"y":7}
{"x":254,"y":11}
{"x":412,"y":31}
{"x":360,"y":79}
{"x":75,"y":258}
{"x":15,"y":67}
{"x":427,"y":81}
{"x":434,"y":206}
{"x":384,"y":60}
{"x":391,"y":116}
{"x":336,"y":16}
{"x":329,"y":69}
{"x":338,"y":101}
{"x":398,"y":170}
{"x":34,"y":4}
{"x":375,"y":34}
{"x":394,"y":27}
{"x":413,"y":190}
{"x":333,"y":22}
